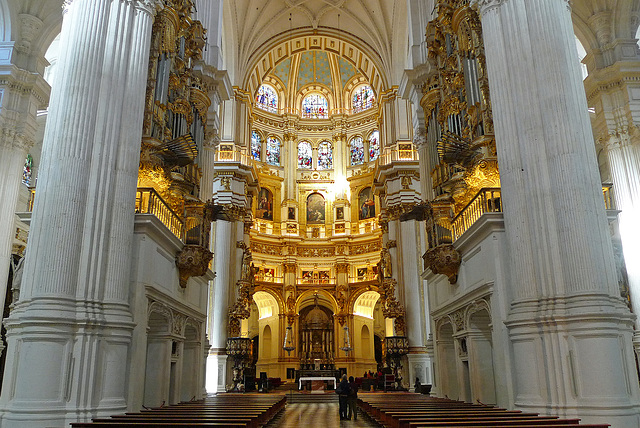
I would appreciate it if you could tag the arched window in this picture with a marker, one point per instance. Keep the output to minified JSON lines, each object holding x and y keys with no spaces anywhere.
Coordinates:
{"x":374,"y":145}
{"x":273,"y":151}
{"x":256,"y":146}
{"x":267,"y":99}
{"x":363,"y":99}
{"x":304,"y":155}
{"x":366,"y":204}
{"x":357,"y":151}
{"x":27,"y":170}
{"x":325,"y":155}
{"x":315,"y":106}
{"x":315,"y":208}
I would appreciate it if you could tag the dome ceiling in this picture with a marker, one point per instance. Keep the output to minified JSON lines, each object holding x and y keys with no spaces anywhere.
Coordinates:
{"x":375,"y":27}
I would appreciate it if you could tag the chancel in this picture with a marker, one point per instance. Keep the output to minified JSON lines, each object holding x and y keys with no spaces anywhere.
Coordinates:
{"x":202,"y":198}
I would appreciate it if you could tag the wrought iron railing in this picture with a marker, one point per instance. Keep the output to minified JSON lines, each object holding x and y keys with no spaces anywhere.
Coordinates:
{"x":148,"y":201}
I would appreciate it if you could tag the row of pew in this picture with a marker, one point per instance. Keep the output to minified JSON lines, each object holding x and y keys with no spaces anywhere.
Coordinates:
{"x":225,"y":410}
{"x":404,"y":410}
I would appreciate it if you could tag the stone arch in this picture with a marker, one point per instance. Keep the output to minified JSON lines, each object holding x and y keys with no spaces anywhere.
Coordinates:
{"x":267,"y":304}
{"x":364,"y":304}
{"x":6,"y":21}
{"x":325,"y":298}
{"x":446,"y":359}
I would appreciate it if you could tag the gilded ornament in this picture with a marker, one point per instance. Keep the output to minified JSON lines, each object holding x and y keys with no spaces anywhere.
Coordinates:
{"x":443,"y":259}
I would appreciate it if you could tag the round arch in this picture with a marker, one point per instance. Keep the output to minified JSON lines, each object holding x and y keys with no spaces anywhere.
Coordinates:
{"x":364,"y":304}
{"x":325,"y":298}
{"x":273,"y":295}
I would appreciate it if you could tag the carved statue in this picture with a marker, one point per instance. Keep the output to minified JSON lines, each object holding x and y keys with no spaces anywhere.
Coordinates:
{"x":247,"y":266}
{"x":385,"y":263}
{"x":291,"y":304}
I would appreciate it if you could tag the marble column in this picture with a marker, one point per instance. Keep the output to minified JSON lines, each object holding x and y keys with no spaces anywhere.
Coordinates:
{"x":623,"y":153}
{"x":23,"y":93}
{"x":570,"y":330}
{"x":414,"y":301}
{"x":216,"y":363}
{"x":69,"y":335}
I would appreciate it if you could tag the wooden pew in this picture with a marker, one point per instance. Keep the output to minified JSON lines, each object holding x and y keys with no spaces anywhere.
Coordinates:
{"x":416,"y":410}
{"x":233,"y":411}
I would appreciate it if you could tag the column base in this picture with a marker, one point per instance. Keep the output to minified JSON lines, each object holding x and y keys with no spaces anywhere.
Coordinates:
{"x":216,"y":373}
{"x":420,"y":366}
{"x":65,"y":366}
{"x":572,"y":357}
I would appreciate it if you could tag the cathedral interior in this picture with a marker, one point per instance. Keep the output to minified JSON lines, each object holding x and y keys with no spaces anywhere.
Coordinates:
{"x":198,"y":192}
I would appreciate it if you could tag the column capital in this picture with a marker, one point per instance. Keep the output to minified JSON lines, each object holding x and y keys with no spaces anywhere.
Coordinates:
{"x":485,"y":6}
{"x":149,"y":6}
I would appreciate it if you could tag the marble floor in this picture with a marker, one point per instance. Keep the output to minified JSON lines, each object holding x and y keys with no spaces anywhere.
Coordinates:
{"x":311,"y":415}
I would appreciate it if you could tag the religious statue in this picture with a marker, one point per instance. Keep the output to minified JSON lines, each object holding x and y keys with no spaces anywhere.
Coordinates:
{"x":291,"y":304}
{"x":385,"y":263}
{"x":247,"y":266}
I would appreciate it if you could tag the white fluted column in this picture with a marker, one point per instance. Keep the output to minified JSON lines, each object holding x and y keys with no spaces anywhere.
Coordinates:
{"x":410,"y":249}
{"x":69,"y":336}
{"x":570,"y":331}
{"x":624,"y":163}
{"x":13,"y":151}
{"x":216,"y":363}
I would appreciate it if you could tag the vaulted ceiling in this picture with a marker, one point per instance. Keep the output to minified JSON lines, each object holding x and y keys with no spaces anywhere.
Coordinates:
{"x":377,"y":27}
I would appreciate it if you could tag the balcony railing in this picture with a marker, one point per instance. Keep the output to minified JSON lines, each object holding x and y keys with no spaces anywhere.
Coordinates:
{"x":607,"y":193}
{"x":488,"y":200}
{"x":229,"y":153}
{"x":148,"y":201}
{"x":401,"y":152}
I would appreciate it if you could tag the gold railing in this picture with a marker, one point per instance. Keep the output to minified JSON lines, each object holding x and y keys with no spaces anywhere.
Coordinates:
{"x":487,"y":200}
{"x":401,"y":152}
{"x":229,"y":153}
{"x":32,"y":198}
{"x":149,"y":202}
{"x":607,"y":193}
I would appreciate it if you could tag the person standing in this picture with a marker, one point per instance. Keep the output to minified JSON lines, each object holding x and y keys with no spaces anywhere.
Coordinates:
{"x":353,"y":399}
{"x":343,"y":395}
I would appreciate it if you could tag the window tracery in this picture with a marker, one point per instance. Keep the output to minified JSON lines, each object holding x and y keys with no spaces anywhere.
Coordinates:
{"x":363,"y":99}
{"x":357,"y":151}
{"x":315,"y":106}
{"x":305,"y":155}
{"x":374,"y":145}
{"x":256,"y":146}
{"x":325,"y":155}
{"x":273,"y":151}
{"x":267,"y":99}
{"x":27,"y":170}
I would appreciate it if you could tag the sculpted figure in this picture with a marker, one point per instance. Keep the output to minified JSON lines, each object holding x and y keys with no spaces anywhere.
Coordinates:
{"x":385,"y":262}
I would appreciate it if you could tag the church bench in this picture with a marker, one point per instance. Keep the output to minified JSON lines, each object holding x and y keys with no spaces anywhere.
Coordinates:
{"x":155,"y":424}
{"x":413,"y":411}
{"x":235,"y":411}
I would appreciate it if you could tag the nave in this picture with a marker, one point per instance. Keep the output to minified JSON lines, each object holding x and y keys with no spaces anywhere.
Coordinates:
{"x":316,"y":414}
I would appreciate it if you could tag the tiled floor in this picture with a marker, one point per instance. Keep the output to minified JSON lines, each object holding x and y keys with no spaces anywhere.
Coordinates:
{"x":312,"y":415}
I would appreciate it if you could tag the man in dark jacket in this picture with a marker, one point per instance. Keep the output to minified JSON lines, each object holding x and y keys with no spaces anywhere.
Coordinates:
{"x":353,"y":399}
{"x":343,"y":394}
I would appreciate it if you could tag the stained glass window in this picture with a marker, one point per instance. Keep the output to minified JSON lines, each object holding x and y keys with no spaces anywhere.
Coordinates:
{"x":273,"y":151}
{"x":304,"y":155}
{"x":374,"y":145}
{"x":315,"y":106}
{"x":357,"y":151}
{"x":267,"y":99}
{"x":325,"y":155}
{"x":363,"y":99}
{"x":26,"y":170}
{"x":256,"y":145}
